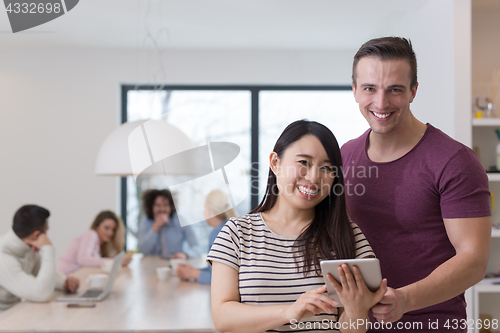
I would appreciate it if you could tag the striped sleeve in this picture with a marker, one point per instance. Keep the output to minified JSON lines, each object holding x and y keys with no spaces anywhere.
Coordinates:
{"x":226,"y":247}
{"x":363,"y":248}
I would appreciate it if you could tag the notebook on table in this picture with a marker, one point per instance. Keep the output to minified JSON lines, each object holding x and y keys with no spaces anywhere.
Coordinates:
{"x":96,"y":295}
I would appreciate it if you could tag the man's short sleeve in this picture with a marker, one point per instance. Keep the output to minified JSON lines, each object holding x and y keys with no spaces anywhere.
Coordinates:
{"x":226,"y":247}
{"x":463,"y":186}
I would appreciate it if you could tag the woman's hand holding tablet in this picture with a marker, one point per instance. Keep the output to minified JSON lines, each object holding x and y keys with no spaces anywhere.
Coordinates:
{"x":353,"y":279}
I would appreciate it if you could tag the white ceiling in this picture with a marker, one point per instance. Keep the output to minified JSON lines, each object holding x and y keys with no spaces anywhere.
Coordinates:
{"x":215,"y":24}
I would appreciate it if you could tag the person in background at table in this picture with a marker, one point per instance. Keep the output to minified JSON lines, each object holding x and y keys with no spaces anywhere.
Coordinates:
{"x":217,"y":211}
{"x":94,"y":247}
{"x":160,"y":232}
{"x":266,"y":271}
{"x":27,"y":260}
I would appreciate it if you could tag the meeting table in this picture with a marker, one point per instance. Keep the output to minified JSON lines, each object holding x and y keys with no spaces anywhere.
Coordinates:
{"x":139,"y":302}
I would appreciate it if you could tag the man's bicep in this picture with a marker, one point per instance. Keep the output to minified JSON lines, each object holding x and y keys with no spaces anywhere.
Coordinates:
{"x":470,"y":235}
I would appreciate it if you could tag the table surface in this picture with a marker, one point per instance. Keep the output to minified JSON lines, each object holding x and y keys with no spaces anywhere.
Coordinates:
{"x":139,"y":302}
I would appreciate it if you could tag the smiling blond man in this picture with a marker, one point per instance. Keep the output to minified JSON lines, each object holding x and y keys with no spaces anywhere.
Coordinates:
{"x":426,"y":213}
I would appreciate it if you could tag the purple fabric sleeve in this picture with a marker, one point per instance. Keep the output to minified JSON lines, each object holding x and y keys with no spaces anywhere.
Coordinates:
{"x":464,"y":187}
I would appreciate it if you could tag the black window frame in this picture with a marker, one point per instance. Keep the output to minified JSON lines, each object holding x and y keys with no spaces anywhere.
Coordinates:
{"x":254,"y":131}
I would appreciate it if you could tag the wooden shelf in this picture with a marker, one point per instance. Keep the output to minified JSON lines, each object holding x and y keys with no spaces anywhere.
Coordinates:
{"x":485,"y":121}
{"x":493,"y":177}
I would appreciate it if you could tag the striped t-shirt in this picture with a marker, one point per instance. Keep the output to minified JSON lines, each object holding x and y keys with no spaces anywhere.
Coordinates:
{"x":267,"y":269}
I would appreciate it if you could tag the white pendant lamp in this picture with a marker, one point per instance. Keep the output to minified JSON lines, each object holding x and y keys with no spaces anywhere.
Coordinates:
{"x":142,"y":147}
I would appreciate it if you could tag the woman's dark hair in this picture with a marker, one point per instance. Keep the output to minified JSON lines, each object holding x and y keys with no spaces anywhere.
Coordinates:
{"x":330,"y":235}
{"x":148,"y":200}
{"x":28,"y":219}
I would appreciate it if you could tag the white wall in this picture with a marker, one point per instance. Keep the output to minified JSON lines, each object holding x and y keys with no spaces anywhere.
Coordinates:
{"x":440,"y":34}
{"x":57,"y":106}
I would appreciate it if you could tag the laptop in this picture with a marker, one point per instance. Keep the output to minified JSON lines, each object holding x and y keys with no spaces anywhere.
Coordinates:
{"x":97,"y":295}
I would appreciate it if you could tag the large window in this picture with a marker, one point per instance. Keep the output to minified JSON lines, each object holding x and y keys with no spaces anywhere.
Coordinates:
{"x":335,"y":109}
{"x":251,"y":117}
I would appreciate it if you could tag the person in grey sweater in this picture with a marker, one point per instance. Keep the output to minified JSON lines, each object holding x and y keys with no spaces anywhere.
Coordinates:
{"x":27,"y":260}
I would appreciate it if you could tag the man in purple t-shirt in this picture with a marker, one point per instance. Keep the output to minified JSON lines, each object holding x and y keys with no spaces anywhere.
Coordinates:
{"x":420,"y":197}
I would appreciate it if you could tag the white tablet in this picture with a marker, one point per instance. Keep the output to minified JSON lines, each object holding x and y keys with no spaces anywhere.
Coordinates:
{"x":369,"y":268}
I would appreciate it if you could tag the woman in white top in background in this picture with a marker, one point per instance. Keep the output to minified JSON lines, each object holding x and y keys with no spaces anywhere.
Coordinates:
{"x":266,"y":271}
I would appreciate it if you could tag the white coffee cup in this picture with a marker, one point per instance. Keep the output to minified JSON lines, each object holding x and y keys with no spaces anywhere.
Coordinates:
{"x":162,"y":273}
{"x":97,"y":281}
{"x":174,"y":263}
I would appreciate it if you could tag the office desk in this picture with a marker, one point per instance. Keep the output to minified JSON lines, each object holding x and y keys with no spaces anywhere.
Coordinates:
{"x":139,"y":302}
